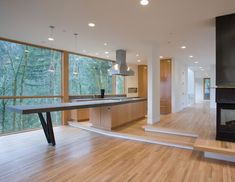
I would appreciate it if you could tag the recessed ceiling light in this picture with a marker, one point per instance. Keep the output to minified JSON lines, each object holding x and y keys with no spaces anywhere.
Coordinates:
{"x":138,"y":60}
{"x":91,"y":24}
{"x":105,"y":44}
{"x":196,"y":62}
{"x":51,"y":39}
{"x":144,"y":2}
{"x":106,"y":52}
{"x":161,"y":57}
{"x":190,"y":56}
{"x":183,"y":47}
{"x":200,"y":67}
{"x":137,"y":55}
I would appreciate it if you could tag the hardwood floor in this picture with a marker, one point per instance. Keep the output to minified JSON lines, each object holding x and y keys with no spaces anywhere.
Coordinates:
{"x":85,"y":156}
{"x":198,"y":119}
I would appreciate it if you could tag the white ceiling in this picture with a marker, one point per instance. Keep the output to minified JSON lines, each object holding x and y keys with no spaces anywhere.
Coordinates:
{"x":121,"y":23}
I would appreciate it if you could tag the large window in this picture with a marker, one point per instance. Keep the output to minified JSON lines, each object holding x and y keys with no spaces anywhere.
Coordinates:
{"x":24,"y":72}
{"x":120,"y":82}
{"x":32,"y":75}
{"x":87,"y":76}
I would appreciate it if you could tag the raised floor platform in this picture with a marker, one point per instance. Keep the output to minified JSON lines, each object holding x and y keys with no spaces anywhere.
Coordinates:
{"x":193,"y":128}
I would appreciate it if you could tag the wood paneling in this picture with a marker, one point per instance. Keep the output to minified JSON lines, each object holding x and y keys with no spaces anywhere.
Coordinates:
{"x":143,"y":81}
{"x":65,"y":85}
{"x":165,"y":86}
{"x":30,"y":97}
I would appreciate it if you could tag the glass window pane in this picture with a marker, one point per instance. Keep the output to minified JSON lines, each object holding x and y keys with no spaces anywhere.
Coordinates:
{"x":120,"y":84}
{"x":24,"y":70}
{"x":12,"y":122}
{"x":87,"y":76}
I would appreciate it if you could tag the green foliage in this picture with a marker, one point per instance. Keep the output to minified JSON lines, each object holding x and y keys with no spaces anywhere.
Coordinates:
{"x":120,"y":85}
{"x":24,"y":72}
{"x":92,"y":76}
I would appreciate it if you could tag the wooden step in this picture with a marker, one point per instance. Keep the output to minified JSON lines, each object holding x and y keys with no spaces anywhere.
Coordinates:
{"x":215,"y":146}
{"x":168,"y":131}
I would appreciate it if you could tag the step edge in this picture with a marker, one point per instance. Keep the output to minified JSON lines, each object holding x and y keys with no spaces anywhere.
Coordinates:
{"x":204,"y":148}
{"x":133,"y":137}
{"x":170,"y":132}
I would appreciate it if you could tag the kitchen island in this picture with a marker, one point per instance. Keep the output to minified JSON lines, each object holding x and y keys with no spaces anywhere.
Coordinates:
{"x":113,"y":116}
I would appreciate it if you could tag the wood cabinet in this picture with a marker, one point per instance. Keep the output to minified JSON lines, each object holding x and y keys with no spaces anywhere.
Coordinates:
{"x":111,"y":117}
{"x":79,"y":115}
{"x":165,"y":86}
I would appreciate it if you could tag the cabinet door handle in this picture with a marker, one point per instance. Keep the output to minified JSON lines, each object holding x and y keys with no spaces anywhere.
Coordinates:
{"x":109,"y":108}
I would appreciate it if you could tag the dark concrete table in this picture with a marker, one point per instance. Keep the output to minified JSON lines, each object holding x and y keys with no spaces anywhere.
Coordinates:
{"x":48,"y":108}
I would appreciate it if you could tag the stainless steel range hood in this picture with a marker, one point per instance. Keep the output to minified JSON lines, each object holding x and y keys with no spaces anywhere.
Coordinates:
{"x":121,"y":68}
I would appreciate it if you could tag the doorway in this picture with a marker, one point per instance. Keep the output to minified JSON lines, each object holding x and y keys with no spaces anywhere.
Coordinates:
{"x":206,"y":88}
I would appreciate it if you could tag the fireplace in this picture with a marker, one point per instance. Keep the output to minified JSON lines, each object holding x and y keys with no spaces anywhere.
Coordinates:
{"x":225,"y":77}
{"x":225,"y":98}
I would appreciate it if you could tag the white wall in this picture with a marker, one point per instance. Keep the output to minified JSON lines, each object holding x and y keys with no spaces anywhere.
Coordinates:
{"x":179,"y":85}
{"x":199,"y":85}
{"x":190,"y":87}
{"x":198,"y":90}
{"x":132,"y":81}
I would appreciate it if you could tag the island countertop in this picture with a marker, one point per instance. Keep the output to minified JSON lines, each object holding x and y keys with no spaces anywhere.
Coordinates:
{"x":40,"y":108}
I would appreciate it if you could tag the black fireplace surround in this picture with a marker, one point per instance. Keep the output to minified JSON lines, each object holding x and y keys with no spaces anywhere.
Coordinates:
{"x":225,"y":127}
{"x":225,"y":77}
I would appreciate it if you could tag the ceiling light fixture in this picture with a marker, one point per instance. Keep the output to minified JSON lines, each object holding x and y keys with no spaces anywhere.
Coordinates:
{"x":50,"y":38}
{"x":190,"y":56}
{"x":183,"y":47}
{"x":105,"y":44}
{"x":76,"y":69}
{"x":144,"y":2}
{"x":76,"y":41}
{"x":91,"y":24}
{"x":137,"y":55}
{"x":161,"y":57}
{"x":196,"y":62}
{"x":52,"y":65}
{"x":138,"y":60}
{"x":106,"y":52}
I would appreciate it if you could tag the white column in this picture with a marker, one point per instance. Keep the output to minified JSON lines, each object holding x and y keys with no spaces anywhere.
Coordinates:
{"x":153,"y":86}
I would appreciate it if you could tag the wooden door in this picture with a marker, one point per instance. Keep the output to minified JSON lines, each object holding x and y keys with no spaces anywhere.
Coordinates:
{"x":143,"y":81}
{"x":165,"y":86}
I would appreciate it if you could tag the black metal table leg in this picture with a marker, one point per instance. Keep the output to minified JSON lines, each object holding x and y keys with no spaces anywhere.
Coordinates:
{"x":50,"y":128}
{"x":47,"y":127}
{"x":44,"y":126}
